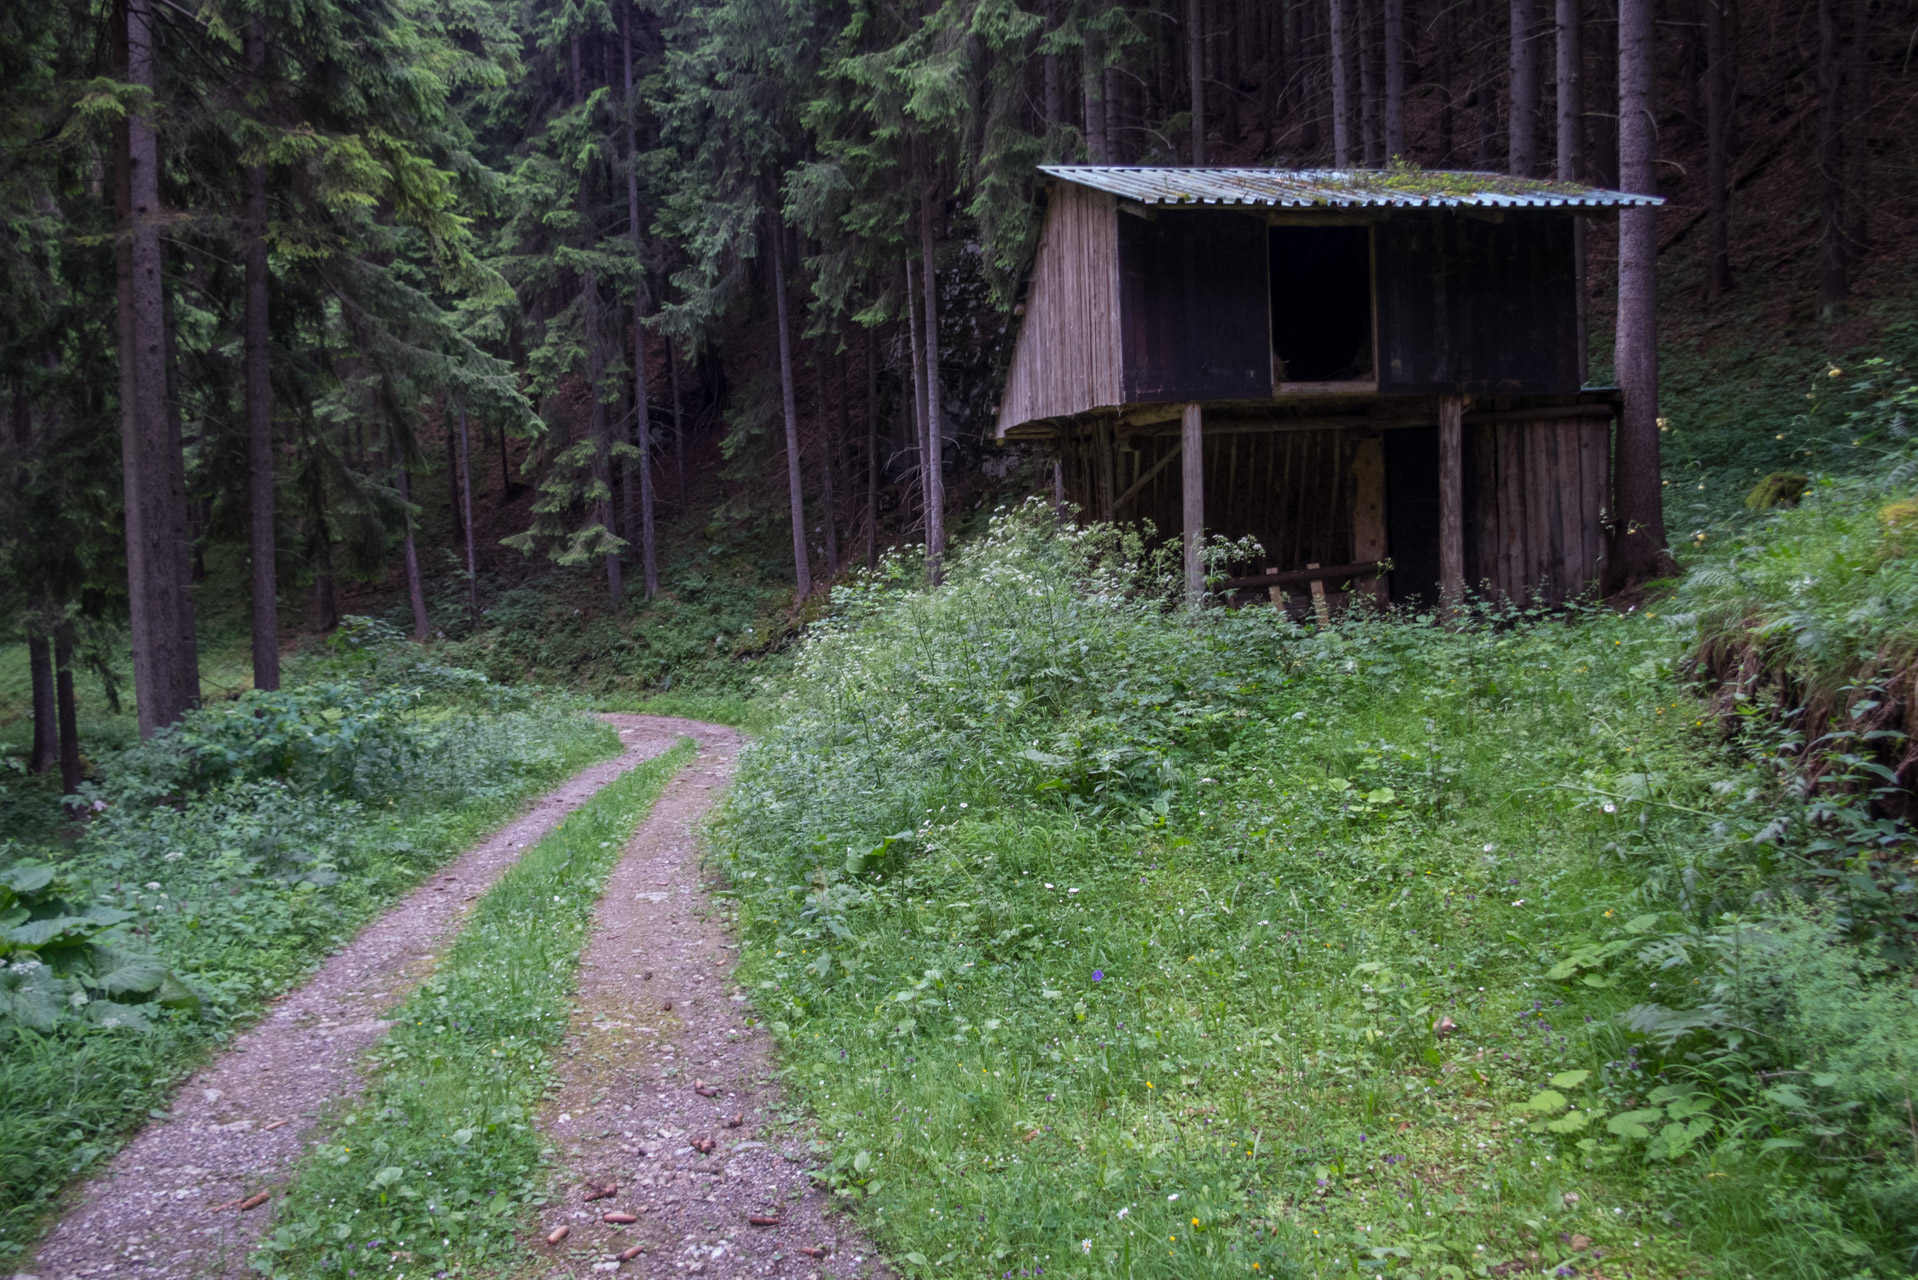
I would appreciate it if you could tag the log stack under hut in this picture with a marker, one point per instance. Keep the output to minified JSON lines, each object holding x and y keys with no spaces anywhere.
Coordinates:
{"x":1380,"y":376}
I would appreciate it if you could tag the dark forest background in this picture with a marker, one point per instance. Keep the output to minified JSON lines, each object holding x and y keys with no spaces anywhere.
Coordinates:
{"x":595,"y":339}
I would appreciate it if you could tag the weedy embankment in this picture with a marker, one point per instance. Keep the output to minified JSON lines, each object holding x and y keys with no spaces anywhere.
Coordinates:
{"x":1106,"y":937}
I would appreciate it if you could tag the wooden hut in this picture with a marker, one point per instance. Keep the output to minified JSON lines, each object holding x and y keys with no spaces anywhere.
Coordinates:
{"x":1365,"y":371}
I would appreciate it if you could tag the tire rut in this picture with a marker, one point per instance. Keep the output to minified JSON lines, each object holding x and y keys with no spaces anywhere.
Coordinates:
{"x":668,"y":1092}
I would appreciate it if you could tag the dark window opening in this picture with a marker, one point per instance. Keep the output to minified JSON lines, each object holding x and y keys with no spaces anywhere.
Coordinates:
{"x":1321,"y":304}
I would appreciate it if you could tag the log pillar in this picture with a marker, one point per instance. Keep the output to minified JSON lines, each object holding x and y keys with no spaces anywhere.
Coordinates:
{"x":1451,"y":435}
{"x":1192,"y":472}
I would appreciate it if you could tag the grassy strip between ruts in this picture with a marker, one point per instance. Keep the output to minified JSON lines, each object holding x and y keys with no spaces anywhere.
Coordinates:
{"x":433,"y":1171}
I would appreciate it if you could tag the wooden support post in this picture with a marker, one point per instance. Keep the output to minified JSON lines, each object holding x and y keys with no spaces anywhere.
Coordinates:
{"x":1320,"y":605}
{"x":1368,"y":512}
{"x":1451,"y":502}
{"x":1192,"y":472}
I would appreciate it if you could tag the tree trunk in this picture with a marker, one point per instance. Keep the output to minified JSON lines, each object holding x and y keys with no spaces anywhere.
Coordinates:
{"x":648,"y":548}
{"x":70,"y":776}
{"x":1195,"y":74}
{"x":1522,"y":124}
{"x":1571,"y":154}
{"x":872,"y":452}
{"x":935,"y":428}
{"x":466,"y":501}
{"x":1394,"y":80}
{"x":1833,"y":279}
{"x":1639,"y":540}
{"x":264,"y":575}
{"x":415,"y":587}
{"x":1372,"y":142}
{"x":602,"y":429}
{"x":1718,"y":84}
{"x":1092,"y":77}
{"x":159,"y":561}
{"x":802,"y":570}
{"x":1341,"y":84}
{"x":46,"y":736}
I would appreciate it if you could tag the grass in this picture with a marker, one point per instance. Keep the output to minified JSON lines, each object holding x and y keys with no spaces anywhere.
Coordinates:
{"x":240,"y":890}
{"x":436,"y":1169}
{"x":1102,"y":938}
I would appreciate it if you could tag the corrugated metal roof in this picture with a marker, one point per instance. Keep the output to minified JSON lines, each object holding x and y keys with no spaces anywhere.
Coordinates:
{"x":1340,"y":188}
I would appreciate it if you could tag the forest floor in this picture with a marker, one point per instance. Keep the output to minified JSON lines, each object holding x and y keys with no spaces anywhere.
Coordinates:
{"x":180,"y":1199}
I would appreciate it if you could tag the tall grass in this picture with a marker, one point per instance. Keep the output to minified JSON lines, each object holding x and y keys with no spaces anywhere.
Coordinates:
{"x":1103,"y":937}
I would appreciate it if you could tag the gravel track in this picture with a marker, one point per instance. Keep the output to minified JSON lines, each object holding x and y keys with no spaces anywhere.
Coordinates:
{"x":166,"y":1207}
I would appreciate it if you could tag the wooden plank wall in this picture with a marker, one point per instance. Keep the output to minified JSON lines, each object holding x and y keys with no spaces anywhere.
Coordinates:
{"x":1066,"y":358}
{"x":1292,"y":490}
{"x":1540,"y":506}
{"x":1537,"y":495}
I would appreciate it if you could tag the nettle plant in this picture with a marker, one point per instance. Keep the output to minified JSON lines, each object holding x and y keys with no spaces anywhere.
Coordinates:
{"x":61,"y":960}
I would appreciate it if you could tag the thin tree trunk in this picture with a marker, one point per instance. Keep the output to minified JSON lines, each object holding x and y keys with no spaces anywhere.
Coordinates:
{"x":1394,"y":80}
{"x":1833,"y":279}
{"x":1571,"y":153}
{"x":70,"y":776}
{"x":1639,"y":542}
{"x":46,"y":736}
{"x":1858,"y":108}
{"x":918,"y":358}
{"x":264,"y":575}
{"x":1195,"y":73}
{"x":679,"y":423}
{"x":649,"y":550}
{"x":466,"y":494}
{"x":159,"y":560}
{"x":1092,"y":77}
{"x":415,"y":586}
{"x":505,"y":469}
{"x":1522,"y":124}
{"x":935,"y":429}
{"x":802,"y":569}
{"x":872,"y":452}
{"x":1718,"y":254}
{"x":1341,"y":84}
{"x":828,"y":450}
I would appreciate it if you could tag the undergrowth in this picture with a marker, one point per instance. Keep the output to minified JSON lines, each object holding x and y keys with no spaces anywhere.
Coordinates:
{"x":435,"y":1168}
{"x":1106,"y":937}
{"x":218,"y":864}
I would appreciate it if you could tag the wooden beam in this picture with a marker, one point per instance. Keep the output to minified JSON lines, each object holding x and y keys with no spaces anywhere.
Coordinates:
{"x":1312,"y":573}
{"x":1172,"y":455}
{"x":1451,"y":501}
{"x":1548,"y":413}
{"x":1192,"y":473}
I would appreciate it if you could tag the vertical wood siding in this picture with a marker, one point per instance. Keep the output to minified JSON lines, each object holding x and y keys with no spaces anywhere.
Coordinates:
{"x":1066,"y":358}
{"x":1541,"y":506}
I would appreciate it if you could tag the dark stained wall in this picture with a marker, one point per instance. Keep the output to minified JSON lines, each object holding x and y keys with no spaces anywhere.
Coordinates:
{"x":1470,"y":305}
{"x":1193,"y":311}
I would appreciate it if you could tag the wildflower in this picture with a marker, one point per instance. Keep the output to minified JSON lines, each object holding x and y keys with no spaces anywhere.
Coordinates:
{"x":1098,"y":975}
{"x":1086,"y":1245}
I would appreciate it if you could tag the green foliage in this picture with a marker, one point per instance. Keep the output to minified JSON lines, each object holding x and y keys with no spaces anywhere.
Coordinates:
{"x":217,"y":865}
{"x":1116,"y":938}
{"x":440,"y":1159}
{"x":60,"y":958}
